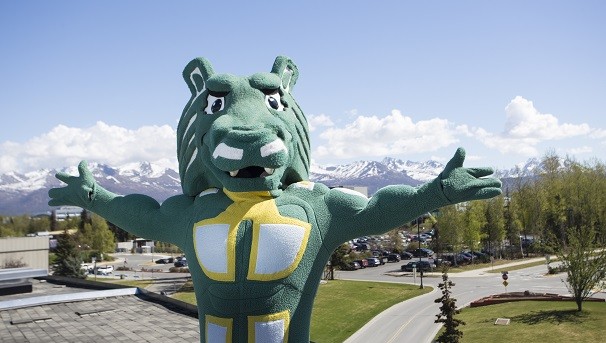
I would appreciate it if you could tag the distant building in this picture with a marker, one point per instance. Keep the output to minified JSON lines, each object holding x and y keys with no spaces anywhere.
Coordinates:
{"x":65,"y":212}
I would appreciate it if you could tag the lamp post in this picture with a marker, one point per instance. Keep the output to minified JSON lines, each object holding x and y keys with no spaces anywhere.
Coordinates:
{"x":419,"y":240}
{"x":521,"y":249}
{"x":95,"y":267}
{"x":152,"y":256}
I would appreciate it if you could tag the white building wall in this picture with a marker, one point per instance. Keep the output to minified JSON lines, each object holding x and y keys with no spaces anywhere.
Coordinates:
{"x":32,"y":251}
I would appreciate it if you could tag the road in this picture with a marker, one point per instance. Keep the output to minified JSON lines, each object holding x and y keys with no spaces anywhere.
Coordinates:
{"x":143,"y":267}
{"x":413,"y":320}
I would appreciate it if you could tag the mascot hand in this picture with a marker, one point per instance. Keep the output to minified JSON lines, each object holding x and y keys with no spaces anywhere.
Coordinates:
{"x":464,"y":184}
{"x":80,"y":190}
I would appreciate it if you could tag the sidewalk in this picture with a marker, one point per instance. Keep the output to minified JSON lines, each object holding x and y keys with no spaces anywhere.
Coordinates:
{"x":487,"y":270}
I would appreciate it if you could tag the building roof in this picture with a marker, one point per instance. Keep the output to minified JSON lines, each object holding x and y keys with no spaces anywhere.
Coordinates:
{"x":59,"y":311}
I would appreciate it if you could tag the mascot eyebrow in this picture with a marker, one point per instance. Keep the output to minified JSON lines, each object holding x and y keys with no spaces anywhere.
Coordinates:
{"x":256,"y":231}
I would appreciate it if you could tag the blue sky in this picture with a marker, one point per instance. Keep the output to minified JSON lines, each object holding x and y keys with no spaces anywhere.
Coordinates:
{"x":506,"y":80}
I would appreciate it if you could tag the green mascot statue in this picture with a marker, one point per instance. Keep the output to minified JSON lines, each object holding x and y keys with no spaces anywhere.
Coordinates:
{"x":256,"y":232}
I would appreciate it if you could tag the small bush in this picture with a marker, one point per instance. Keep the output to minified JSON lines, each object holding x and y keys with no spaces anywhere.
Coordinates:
{"x":14,"y":263}
{"x":556,"y":270}
{"x":179,"y":270}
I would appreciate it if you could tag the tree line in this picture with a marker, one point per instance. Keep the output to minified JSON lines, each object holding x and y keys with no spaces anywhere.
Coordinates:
{"x":535,"y":212}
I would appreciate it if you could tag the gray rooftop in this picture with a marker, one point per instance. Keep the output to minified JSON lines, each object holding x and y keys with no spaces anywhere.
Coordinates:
{"x":69,"y":313}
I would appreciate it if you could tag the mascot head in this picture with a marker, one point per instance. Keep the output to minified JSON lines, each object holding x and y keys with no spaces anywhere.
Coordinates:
{"x":241,"y":133}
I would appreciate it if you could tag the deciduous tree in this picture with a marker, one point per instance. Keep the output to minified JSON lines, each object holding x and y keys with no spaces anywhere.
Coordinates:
{"x":585,"y":263}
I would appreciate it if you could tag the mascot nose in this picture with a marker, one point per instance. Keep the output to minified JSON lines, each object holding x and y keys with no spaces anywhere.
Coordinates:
{"x":245,"y":142}
{"x":247,"y":134}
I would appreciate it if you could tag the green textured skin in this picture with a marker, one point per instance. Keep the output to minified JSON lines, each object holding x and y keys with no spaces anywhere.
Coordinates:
{"x":248,"y":123}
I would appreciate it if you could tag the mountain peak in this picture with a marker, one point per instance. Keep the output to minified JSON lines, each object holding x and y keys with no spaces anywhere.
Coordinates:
{"x":27,"y":193}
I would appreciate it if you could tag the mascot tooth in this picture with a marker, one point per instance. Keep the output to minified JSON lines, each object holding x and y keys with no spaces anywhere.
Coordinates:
{"x":256,"y":231}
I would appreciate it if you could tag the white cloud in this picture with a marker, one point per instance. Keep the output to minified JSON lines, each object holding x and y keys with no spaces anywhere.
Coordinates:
{"x":524,"y":120}
{"x":598,"y":134}
{"x":580,"y":150}
{"x":321,"y":120}
{"x":66,"y":146}
{"x":526,"y":128}
{"x":388,"y":136}
{"x":506,"y":144}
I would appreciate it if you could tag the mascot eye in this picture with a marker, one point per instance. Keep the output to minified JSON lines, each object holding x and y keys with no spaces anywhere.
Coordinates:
{"x":215,"y":104}
{"x":273,"y":101}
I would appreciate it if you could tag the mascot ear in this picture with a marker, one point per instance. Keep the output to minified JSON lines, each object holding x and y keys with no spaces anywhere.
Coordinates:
{"x":196,"y":73}
{"x":286,"y":69}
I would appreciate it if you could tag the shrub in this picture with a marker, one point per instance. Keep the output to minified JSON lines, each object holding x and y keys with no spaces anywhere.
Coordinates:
{"x":179,"y":270}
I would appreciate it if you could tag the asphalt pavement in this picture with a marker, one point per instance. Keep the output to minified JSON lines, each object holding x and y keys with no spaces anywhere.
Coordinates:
{"x":413,"y":320}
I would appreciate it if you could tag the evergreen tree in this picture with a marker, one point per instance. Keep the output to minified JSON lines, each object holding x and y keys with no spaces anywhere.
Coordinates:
{"x":68,"y":257}
{"x":120,"y":234}
{"x":451,"y":334}
{"x":339,"y":258}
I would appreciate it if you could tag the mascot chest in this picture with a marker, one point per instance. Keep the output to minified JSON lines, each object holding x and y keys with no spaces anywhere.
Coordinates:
{"x":252,"y":240}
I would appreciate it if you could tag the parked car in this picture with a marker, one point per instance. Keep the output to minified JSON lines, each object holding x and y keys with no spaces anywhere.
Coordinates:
{"x":361,"y":246}
{"x":374,"y":261}
{"x":86,"y":268}
{"x":393,"y":258}
{"x":165,"y":260}
{"x":406,"y":255}
{"x":181,"y":262}
{"x":456,"y":258}
{"x":424,"y":266}
{"x":418,"y":239}
{"x":468,"y":255}
{"x":479,"y":256}
{"x":422,"y":252}
{"x":363,"y":262}
{"x":353,"y":265}
{"x":105,"y":270}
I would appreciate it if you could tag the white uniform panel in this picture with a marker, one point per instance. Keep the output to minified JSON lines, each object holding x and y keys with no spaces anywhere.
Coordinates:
{"x":211,"y":246}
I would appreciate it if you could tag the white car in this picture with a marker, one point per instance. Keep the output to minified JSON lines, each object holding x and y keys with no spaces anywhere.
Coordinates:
{"x":105,"y":270}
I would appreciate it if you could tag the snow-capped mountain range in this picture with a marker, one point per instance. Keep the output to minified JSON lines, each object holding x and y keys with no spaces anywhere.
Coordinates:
{"x":27,"y":193}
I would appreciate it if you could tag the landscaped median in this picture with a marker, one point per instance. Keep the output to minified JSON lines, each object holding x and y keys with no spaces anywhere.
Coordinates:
{"x":535,"y":321}
{"x":526,"y":296}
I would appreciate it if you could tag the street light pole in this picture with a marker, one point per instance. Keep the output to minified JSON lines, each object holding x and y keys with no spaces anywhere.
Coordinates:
{"x":419,"y":240}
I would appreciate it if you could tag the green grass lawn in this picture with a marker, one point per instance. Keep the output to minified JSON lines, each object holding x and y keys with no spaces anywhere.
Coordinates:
{"x":342,"y":307}
{"x":535,"y":321}
{"x":522,"y":266}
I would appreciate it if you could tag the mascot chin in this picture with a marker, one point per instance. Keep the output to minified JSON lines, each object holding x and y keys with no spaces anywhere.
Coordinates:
{"x":256,"y":232}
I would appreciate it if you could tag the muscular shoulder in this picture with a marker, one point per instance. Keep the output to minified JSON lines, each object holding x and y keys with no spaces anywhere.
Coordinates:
{"x":184,"y":201}
{"x":338,"y":196}
{"x":307,"y":189}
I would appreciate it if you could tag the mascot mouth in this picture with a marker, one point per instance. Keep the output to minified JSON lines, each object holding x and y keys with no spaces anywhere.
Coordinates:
{"x":251,"y":172}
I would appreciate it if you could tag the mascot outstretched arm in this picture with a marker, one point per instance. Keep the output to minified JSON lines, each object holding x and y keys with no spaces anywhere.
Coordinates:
{"x":256,"y":232}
